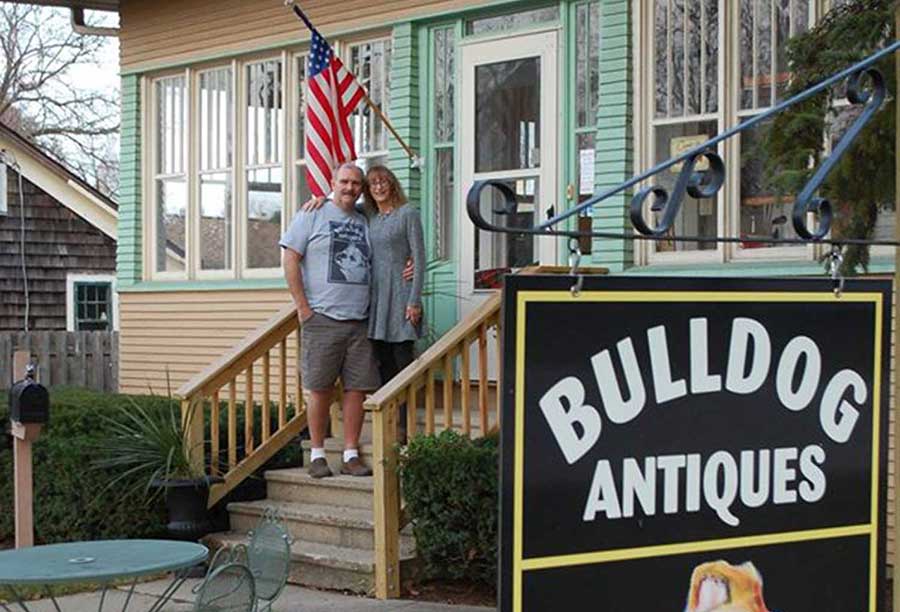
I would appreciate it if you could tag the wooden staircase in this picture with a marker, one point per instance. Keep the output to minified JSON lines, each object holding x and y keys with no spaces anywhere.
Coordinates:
{"x":331,"y":519}
{"x":350,"y":533}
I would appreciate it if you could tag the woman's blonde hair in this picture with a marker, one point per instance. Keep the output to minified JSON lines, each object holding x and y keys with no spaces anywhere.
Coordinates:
{"x":398,"y":197}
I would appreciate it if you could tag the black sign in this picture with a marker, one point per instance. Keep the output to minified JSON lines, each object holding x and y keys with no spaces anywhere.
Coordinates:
{"x":694,"y":445}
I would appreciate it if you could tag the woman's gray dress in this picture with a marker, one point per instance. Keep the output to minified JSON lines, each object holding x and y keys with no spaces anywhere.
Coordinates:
{"x":395,"y":237}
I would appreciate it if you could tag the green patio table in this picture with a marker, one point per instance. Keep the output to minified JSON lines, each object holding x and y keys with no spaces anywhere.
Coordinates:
{"x":100,"y":561}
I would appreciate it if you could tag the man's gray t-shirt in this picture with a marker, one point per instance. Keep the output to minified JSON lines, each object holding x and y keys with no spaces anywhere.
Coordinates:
{"x":336,"y":260}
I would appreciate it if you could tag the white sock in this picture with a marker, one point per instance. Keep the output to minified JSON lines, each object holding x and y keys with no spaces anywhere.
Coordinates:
{"x":317,"y":453}
{"x":350,"y":453}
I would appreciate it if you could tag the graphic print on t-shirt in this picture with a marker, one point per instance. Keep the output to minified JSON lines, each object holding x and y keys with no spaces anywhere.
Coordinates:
{"x":349,"y":261}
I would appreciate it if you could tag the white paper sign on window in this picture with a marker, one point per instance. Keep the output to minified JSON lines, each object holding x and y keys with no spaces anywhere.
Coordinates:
{"x":586,"y":171}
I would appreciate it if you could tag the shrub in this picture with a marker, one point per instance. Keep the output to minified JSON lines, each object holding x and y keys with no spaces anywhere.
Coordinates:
{"x":450,"y":486}
{"x":71,"y":498}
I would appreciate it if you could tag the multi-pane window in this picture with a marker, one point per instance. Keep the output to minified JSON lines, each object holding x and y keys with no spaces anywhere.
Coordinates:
{"x":169,"y":174}
{"x":686,"y":73}
{"x":694,"y":94}
{"x":371,"y":63}
{"x":443,"y":131}
{"x":216,"y":227}
{"x":264,"y":120}
{"x":765,"y":28}
{"x":93,"y":306}
{"x":587,"y":93}
{"x":226,"y":163}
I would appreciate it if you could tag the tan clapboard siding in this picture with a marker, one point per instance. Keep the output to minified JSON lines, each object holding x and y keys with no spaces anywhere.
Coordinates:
{"x":165,"y":338}
{"x":167,"y":31}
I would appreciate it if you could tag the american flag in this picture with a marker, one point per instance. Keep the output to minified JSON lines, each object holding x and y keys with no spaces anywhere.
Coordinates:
{"x":333,"y":95}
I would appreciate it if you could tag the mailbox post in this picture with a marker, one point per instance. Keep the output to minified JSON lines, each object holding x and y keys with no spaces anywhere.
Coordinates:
{"x":29,"y":409}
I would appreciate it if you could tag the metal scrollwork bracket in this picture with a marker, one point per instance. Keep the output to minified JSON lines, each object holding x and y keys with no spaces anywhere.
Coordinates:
{"x":865,"y":86}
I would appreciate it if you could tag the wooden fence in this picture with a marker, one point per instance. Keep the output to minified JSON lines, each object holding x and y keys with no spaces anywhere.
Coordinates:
{"x":87,"y":359}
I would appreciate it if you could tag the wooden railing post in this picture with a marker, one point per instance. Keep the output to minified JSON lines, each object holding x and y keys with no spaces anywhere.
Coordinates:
{"x":386,"y":503}
{"x":192,"y":422}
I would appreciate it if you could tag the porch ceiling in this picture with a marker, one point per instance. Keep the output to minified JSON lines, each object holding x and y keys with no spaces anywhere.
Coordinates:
{"x":99,"y":5}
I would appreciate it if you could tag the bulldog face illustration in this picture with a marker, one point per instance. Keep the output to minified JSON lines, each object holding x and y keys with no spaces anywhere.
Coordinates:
{"x":719,"y":586}
{"x":352,"y":264}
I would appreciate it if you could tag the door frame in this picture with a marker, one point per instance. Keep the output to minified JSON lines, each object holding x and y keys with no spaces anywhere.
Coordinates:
{"x":544,"y":44}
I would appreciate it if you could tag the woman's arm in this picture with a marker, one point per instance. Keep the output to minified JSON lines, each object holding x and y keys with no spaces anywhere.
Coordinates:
{"x":417,"y":249}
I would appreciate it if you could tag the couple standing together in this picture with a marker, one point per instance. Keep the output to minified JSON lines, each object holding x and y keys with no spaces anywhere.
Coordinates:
{"x":359,"y":317}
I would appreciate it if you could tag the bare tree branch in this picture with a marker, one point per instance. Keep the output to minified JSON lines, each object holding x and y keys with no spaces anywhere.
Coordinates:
{"x":77,"y":125}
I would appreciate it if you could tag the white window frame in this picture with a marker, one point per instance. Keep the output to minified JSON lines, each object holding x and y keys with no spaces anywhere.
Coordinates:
{"x":150,"y":250}
{"x":295,"y":155}
{"x":363,"y":157}
{"x":72,"y":279}
{"x":289,"y":149}
{"x":194,"y":182}
{"x":4,"y":195}
{"x":283,"y":162}
{"x":727,"y":116}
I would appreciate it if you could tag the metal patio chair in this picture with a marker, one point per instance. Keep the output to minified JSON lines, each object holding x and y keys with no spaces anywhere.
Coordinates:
{"x":269,"y":558}
{"x":227,"y":588}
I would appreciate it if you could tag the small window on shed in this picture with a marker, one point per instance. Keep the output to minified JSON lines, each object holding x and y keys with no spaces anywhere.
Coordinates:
{"x":93,"y":306}
{"x":4,"y":206}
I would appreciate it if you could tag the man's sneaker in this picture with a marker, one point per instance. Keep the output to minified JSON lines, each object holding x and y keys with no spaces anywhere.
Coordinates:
{"x":319,"y":468}
{"x":355,"y":467}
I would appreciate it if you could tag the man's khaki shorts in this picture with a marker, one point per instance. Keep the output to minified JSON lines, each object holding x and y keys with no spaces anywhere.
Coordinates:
{"x":330,"y":348}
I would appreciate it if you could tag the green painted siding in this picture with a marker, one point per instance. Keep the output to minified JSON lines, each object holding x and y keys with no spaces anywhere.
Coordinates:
{"x":404,"y":111}
{"x":128,"y":258}
{"x":614,"y":146}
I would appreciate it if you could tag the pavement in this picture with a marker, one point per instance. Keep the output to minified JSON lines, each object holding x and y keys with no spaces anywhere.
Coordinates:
{"x":292,"y":599}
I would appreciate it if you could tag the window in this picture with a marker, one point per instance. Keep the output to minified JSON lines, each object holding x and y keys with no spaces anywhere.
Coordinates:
{"x":225,"y":161}
{"x":215,"y":170}
{"x":91,"y":302}
{"x":586,"y":94}
{"x":764,"y":31}
{"x":371,"y":63}
{"x":513,"y":21}
{"x":686,"y":73}
{"x":4,"y":205}
{"x":691,"y":94}
{"x":170,"y":223}
{"x":264,"y":121}
{"x":443,"y":136}
{"x":302,"y":189}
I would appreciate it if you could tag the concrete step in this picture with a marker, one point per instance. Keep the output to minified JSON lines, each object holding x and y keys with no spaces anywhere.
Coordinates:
{"x":295,"y":485}
{"x":325,"y":566}
{"x":333,"y":525}
{"x":334,"y":452}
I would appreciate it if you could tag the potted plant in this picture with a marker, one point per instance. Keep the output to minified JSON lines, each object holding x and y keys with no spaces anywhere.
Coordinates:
{"x":149,"y":450}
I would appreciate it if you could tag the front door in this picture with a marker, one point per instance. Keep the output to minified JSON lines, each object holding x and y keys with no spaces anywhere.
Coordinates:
{"x":509,"y":123}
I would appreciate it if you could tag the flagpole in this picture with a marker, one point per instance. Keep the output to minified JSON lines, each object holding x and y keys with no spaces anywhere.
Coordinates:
{"x":415,"y":160}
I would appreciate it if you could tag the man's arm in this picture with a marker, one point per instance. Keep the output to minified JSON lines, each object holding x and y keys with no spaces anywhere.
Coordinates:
{"x":293,"y":274}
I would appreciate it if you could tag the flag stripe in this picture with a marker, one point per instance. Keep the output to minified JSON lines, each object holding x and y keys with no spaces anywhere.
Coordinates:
{"x":333,"y":95}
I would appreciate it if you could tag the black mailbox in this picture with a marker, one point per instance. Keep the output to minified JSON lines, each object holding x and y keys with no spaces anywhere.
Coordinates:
{"x":29,"y":402}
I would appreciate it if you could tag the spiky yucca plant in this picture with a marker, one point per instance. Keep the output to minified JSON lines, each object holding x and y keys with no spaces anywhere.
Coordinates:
{"x":148,"y":448}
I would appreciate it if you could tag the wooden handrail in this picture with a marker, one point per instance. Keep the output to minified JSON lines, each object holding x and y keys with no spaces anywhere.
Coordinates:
{"x":469,"y":335}
{"x":255,"y":343}
{"x":250,"y":355}
{"x":433,"y":354}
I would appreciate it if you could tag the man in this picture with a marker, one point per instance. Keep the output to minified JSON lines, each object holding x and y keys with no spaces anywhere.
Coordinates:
{"x":326,"y":261}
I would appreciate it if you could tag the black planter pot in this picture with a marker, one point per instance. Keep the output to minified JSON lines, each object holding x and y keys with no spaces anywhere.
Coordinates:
{"x":186,"y":503}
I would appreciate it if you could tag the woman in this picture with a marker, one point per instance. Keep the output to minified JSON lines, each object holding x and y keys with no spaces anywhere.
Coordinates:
{"x":395,"y":307}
